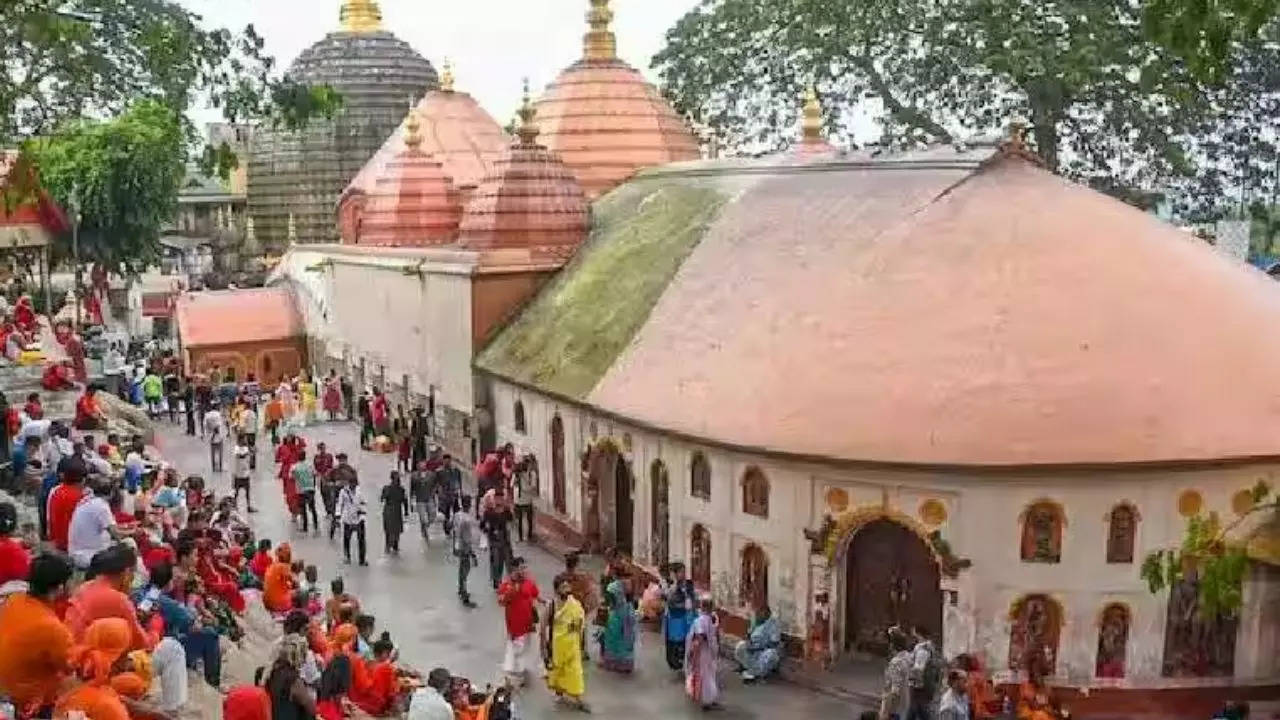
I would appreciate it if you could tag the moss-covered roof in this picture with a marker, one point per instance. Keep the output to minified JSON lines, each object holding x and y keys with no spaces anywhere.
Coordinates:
{"x":571,"y":333}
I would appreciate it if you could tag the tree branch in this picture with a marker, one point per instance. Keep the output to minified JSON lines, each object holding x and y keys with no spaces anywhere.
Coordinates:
{"x":912,"y":116}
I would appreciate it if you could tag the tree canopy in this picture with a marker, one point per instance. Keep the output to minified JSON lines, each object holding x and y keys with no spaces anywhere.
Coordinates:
{"x":1205,"y":34}
{"x":1104,"y":103}
{"x":123,"y":174}
{"x":68,"y":59}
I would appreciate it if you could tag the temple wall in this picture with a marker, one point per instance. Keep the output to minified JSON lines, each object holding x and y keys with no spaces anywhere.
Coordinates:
{"x":980,"y":519}
{"x":394,"y":320}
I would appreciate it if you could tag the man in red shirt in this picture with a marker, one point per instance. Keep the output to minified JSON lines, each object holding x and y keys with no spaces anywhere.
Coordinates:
{"x":518,"y":595}
{"x":65,"y":497}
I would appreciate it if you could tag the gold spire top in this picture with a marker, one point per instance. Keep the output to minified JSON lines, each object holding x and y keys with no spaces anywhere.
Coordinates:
{"x":600,"y":42}
{"x":360,"y":16}
{"x":812,"y":123}
{"x":412,"y":127}
{"x":446,"y":76}
{"x":527,"y":130}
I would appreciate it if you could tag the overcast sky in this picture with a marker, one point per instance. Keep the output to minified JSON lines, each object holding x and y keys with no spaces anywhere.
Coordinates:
{"x":492,"y":43}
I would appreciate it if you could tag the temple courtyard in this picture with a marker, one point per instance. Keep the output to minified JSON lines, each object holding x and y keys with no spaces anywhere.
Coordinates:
{"x":413,"y":597}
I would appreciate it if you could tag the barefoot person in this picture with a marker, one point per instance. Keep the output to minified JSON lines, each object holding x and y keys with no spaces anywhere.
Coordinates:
{"x":518,"y":595}
{"x":701,"y":652}
{"x":564,"y":674}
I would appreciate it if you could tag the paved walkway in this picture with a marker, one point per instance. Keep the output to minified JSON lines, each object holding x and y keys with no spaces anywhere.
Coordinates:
{"x":413,"y":597}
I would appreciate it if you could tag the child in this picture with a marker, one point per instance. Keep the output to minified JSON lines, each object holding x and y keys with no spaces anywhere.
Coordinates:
{"x":241,"y":471}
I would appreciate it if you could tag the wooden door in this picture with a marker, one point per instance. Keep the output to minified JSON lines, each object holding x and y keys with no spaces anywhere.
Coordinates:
{"x":557,"y":464}
{"x":624,"y":507}
{"x":891,"y":579}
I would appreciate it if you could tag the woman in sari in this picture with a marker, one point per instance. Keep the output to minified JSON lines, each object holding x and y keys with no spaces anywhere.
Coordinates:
{"x":287,"y":455}
{"x":618,"y":644}
{"x":278,"y":584}
{"x":564,"y":674}
{"x":332,"y":395}
{"x":307,"y":393}
{"x":701,"y":650}
{"x":377,"y":683}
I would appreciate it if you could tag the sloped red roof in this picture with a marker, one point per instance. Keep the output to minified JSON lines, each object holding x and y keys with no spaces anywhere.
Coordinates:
{"x":232,"y":317}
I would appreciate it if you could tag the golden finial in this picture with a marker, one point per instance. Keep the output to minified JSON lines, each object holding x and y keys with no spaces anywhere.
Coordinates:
{"x":360,"y":16}
{"x":1017,"y":133}
{"x":812,"y":123}
{"x":527,"y":130}
{"x":600,"y":42}
{"x":250,"y":246}
{"x":446,"y":76}
{"x":292,"y":235}
{"x":412,"y":130}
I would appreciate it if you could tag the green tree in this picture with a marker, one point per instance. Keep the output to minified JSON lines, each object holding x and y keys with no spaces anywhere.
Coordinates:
{"x":124,"y":174}
{"x":1208,"y":554}
{"x":1207,"y":33}
{"x":62,"y":60}
{"x":1105,"y":104}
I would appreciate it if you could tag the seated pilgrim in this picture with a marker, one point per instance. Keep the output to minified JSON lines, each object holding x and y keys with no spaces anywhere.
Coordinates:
{"x":761,"y":653}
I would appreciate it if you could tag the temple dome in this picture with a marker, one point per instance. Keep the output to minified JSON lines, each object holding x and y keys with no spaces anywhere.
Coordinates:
{"x":942,"y":307}
{"x":456,"y":131}
{"x":530,"y":200}
{"x":303,"y":173}
{"x":413,"y":202}
{"x":605,"y":120}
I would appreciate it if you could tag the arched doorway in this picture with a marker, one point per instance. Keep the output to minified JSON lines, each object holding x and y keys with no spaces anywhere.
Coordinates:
{"x":607,"y":501}
{"x":891,"y":579}
{"x":557,"y":464}
{"x":624,"y":507}
{"x":660,"y":527}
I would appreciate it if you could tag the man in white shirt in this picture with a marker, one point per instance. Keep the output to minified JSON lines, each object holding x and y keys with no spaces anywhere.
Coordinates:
{"x":241,"y":471}
{"x":93,"y":527}
{"x":428,"y":703}
{"x":215,"y":428}
{"x":351,"y":512}
{"x":249,"y":433}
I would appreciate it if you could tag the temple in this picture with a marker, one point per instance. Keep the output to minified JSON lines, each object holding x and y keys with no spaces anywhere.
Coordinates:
{"x":301,"y":173}
{"x":943,"y":388}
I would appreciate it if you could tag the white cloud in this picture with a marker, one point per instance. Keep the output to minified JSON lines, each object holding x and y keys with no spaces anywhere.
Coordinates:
{"x":493,"y":43}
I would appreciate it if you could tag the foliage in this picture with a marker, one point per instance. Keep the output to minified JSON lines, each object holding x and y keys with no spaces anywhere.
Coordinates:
{"x":1104,"y":103}
{"x":1209,"y":558}
{"x":64,"y":60}
{"x":124,"y":174}
{"x":1205,"y":33}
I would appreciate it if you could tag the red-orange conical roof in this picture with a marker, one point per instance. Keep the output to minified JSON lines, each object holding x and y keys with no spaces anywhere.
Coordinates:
{"x":605,"y":120}
{"x":531,"y":200}
{"x":413,"y":203}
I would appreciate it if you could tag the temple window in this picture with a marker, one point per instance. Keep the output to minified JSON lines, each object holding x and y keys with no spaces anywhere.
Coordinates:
{"x":700,"y":556}
{"x":755,"y":493}
{"x":754,"y":581}
{"x":1037,"y":625}
{"x":1123,"y":525}
{"x":700,"y":477}
{"x":660,"y":530}
{"x":1042,"y":533}
{"x":518,"y":411}
{"x":1113,"y":641}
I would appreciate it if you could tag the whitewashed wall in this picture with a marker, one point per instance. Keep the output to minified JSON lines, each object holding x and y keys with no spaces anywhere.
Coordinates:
{"x":409,"y":314}
{"x":982,"y":524}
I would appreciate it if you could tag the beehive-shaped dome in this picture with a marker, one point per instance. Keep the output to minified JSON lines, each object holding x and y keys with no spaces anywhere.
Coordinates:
{"x":605,"y":120}
{"x":530,"y":200}
{"x":413,"y":203}
{"x":303,"y":173}
{"x":813,"y":140}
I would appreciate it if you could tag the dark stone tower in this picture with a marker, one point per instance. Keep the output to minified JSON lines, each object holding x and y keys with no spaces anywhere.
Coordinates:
{"x":303,"y":173}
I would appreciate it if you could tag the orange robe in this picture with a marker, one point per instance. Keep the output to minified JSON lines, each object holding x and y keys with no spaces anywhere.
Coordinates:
{"x":373,"y":688}
{"x":277,"y":587}
{"x":97,"y":702}
{"x":1033,"y":704}
{"x":36,"y":653}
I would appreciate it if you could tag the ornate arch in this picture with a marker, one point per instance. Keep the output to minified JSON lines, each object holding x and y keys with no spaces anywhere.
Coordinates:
{"x":847,"y":524}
